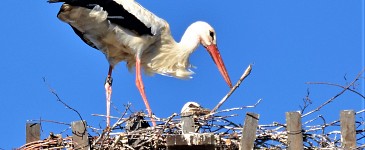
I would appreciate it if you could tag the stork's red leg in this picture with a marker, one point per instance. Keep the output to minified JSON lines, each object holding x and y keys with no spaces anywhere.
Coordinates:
{"x":108,"y":93}
{"x":140,"y":87}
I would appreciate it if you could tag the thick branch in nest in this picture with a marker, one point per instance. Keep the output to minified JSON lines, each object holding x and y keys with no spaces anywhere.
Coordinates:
{"x":224,"y":99}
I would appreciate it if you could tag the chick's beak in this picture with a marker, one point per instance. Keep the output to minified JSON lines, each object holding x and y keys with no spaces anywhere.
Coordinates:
{"x":216,"y":56}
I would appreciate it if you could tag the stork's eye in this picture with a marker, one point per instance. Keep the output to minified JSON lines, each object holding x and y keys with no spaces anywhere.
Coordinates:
{"x":211,"y":33}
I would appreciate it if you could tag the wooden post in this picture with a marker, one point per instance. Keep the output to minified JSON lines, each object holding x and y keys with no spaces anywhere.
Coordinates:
{"x":294,"y":131}
{"x":80,"y":136}
{"x":249,"y":131}
{"x":187,"y":122}
{"x":32,"y":132}
{"x":348,"y":130}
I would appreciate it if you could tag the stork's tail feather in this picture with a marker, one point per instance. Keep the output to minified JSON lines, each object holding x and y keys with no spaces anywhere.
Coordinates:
{"x":54,"y":1}
{"x":83,"y":3}
{"x":66,"y":1}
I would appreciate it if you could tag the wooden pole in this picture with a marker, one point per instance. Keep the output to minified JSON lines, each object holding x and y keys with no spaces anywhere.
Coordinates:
{"x":80,"y":136}
{"x":294,"y":130}
{"x":32,"y":132}
{"x":348,"y":130}
{"x":249,"y":131}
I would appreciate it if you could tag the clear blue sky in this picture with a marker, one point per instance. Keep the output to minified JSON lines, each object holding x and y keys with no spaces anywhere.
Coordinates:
{"x":289,"y":42}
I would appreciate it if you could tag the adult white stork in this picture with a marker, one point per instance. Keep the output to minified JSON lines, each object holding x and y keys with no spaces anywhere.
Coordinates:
{"x":125,"y":31}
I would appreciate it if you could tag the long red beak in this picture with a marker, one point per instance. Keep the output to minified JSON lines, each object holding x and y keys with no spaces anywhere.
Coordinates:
{"x":214,"y":53}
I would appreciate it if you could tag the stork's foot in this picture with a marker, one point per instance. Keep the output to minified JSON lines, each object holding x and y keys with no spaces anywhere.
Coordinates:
{"x":109,"y":81}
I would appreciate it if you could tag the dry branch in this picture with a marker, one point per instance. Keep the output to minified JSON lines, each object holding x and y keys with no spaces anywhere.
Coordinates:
{"x":244,"y":75}
{"x":337,"y":85}
{"x":337,"y":95}
{"x":60,"y":100}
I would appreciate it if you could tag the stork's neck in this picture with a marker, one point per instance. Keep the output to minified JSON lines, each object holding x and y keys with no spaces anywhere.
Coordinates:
{"x":189,"y":41}
{"x":173,"y":58}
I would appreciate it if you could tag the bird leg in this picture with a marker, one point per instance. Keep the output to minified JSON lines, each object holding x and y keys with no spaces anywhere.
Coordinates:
{"x":140,"y":87}
{"x":108,"y":93}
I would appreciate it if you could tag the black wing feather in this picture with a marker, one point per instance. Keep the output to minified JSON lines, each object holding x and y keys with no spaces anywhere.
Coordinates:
{"x":81,"y":35}
{"x":116,"y":13}
{"x":129,"y":21}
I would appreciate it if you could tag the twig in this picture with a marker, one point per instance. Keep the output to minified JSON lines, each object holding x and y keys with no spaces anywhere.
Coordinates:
{"x":168,"y":120}
{"x":337,"y":95}
{"x":100,"y":137}
{"x":244,"y":75}
{"x":343,"y":87}
{"x":361,"y":111}
{"x":120,"y":118}
{"x":66,"y":105}
{"x":107,"y":131}
{"x":115,"y":108}
{"x":309,"y":121}
{"x":306,"y":101}
{"x":232,"y":109}
{"x":51,"y":121}
{"x":100,"y":115}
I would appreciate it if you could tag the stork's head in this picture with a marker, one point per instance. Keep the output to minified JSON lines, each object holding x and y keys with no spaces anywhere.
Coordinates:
{"x":208,"y":39}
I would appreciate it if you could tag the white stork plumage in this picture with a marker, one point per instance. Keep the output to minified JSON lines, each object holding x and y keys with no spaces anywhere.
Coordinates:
{"x":125,"y":31}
